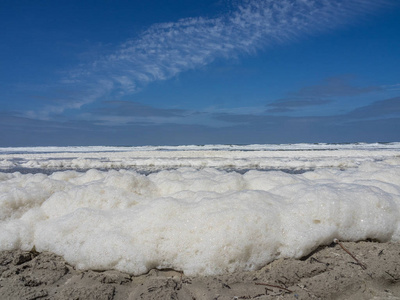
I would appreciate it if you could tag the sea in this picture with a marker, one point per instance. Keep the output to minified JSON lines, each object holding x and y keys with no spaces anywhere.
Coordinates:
{"x":200,"y":209}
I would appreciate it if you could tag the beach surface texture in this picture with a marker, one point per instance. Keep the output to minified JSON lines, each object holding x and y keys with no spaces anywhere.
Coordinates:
{"x":328,"y":273}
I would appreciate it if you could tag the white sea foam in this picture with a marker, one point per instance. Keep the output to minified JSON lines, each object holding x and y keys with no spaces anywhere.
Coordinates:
{"x":199,"y":219}
{"x":253,"y":147}
{"x":151,"y":158}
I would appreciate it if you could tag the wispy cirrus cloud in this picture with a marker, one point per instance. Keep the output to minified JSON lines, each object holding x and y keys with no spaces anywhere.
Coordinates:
{"x":71,"y":96}
{"x":379,"y":109}
{"x":289,"y":104}
{"x":371,"y":123}
{"x":339,"y":86}
{"x":135,"y":109}
{"x":121,"y":113}
{"x":320,"y":94}
{"x":392,"y":87}
{"x":167,"y":49}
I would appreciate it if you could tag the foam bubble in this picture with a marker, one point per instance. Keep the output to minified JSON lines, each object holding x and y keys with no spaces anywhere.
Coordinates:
{"x":202,"y":222}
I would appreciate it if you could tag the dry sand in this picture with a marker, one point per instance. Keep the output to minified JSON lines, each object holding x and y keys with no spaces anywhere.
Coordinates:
{"x":328,"y":273}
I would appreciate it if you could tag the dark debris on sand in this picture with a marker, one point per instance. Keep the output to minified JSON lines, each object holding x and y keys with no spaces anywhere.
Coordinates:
{"x":328,"y":273}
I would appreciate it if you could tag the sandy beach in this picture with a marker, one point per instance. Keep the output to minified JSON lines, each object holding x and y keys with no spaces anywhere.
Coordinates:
{"x":327,"y":273}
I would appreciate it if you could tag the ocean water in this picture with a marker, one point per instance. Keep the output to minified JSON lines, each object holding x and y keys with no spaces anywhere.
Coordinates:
{"x":204,"y":210}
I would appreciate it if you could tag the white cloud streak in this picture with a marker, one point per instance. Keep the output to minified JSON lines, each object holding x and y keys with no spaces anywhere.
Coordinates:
{"x":90,"y":93}
{"x":167,"y":49}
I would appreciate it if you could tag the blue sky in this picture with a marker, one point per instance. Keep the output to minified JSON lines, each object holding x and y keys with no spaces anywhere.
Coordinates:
{"x":199,"y":72}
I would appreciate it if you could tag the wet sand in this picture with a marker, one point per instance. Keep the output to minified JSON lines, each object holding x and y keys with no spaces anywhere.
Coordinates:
{"x":327,"y":273}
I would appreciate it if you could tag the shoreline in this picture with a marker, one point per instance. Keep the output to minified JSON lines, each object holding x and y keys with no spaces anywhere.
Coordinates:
{"x":327,"y":273}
